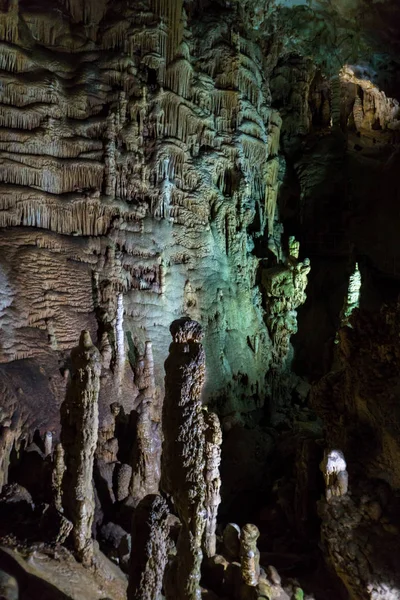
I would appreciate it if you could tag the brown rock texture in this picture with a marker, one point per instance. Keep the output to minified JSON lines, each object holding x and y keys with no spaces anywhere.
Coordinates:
{"x":79,"y":432}
{"x":150,"y":530}
{"x":147,"y":448}
{"x":183,"y":454}
{"x":138,"y":166}
{"x":213,"y":443}
{"x":249,"y":554}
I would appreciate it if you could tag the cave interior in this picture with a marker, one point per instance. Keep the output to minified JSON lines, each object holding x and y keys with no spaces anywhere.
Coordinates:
{"x":199,"y":300}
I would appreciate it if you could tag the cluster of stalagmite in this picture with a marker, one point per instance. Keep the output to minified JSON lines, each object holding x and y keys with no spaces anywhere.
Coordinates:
{"x":79,"y":432}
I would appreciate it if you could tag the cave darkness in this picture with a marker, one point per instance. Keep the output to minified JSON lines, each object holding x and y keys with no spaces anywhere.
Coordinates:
{"x":199,"y":300}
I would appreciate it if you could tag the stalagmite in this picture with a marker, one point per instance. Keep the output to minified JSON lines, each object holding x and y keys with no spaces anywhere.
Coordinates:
{"x":183,"y":457}
{"x":79,"y":432}
{"x":352,"y":299}
{"x":335,"y":102}
{"x":334,"y":470}
{"x":213,"y":480}
{"x":6,"y":444}
{"x":119,"y":334}
{"x":57,"y":477}
{"x":150,"y":529}
{"x":48,"y":443}
{"x":147,"y":449}
{"x":249,"y":554}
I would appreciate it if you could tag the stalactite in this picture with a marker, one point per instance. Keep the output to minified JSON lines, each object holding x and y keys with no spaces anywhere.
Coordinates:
{"x":274,"y":132}
{"x":171,"y":11}
{"x":178,"y":77}
{"x":49,"y":174}
{"x":9,"y":23}
{"x":79,"y":432}
{"x":271,"y":192}
{"x":88,"y":216}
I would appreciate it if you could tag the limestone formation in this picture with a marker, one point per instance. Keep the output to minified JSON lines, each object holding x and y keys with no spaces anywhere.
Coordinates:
{"x":231,"y":539}
{"x":150,"y":529}
{"x":79,"y":432}
{"x":107,"y":443}
{"x":183,"y":454}
{"x":249,"y":555}
{"x":334,"y":470}
{"x":48,"y":443}
{"x":133,"y":160}
{"x":150,"y":152}
{"x":352,"y":300}
{"x":8,"y":586}
{"x":6,"y":443}
{"x":58,"y":476}
{"x":213,"y":481}
{"x":147,"y":448}
{"x":285,"y":287}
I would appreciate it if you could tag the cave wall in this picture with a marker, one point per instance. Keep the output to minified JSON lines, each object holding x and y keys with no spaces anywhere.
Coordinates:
{"x":138,"y":165}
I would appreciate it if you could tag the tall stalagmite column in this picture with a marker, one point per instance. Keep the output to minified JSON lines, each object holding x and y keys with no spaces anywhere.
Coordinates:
{"x":79,"y":432}
{"x":213,"y":480}
{"x":149,"y":549}
{"x":183,"y":457}
{"x":147,"y":449}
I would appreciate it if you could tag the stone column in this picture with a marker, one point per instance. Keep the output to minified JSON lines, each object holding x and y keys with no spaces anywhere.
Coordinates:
{"x":249,"y":554}
{"x":79,"y":432}
{"x":213,"y":480}
{"x":150,"y":530}
{"x":183,"y":456}
{"x":147,"y":449}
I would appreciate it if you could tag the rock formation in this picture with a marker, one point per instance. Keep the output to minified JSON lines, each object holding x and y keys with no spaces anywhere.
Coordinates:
{"x":213,"y":435}
{"x":58,"y":476}
{"x":150,"y":529}
{"x":249,"y":554}
{"x":157,"y":158}
{"x":79,"y":431}
{"x":147,"y":448}
{"x":335,"y":474}
{"x":183,"y":453}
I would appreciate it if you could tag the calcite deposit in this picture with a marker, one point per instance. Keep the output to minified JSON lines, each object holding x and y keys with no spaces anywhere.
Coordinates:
{"x":225,"y":171}
{"x":79,"y":431}
{"x":147,"y":449}
{"x":213,"y":441}
{"x":150,"y":529}
{"x":183,"y":455}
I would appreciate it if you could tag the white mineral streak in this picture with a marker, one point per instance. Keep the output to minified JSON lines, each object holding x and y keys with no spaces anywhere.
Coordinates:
{"x":119,"y":331}
{"x":333,"y":468}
